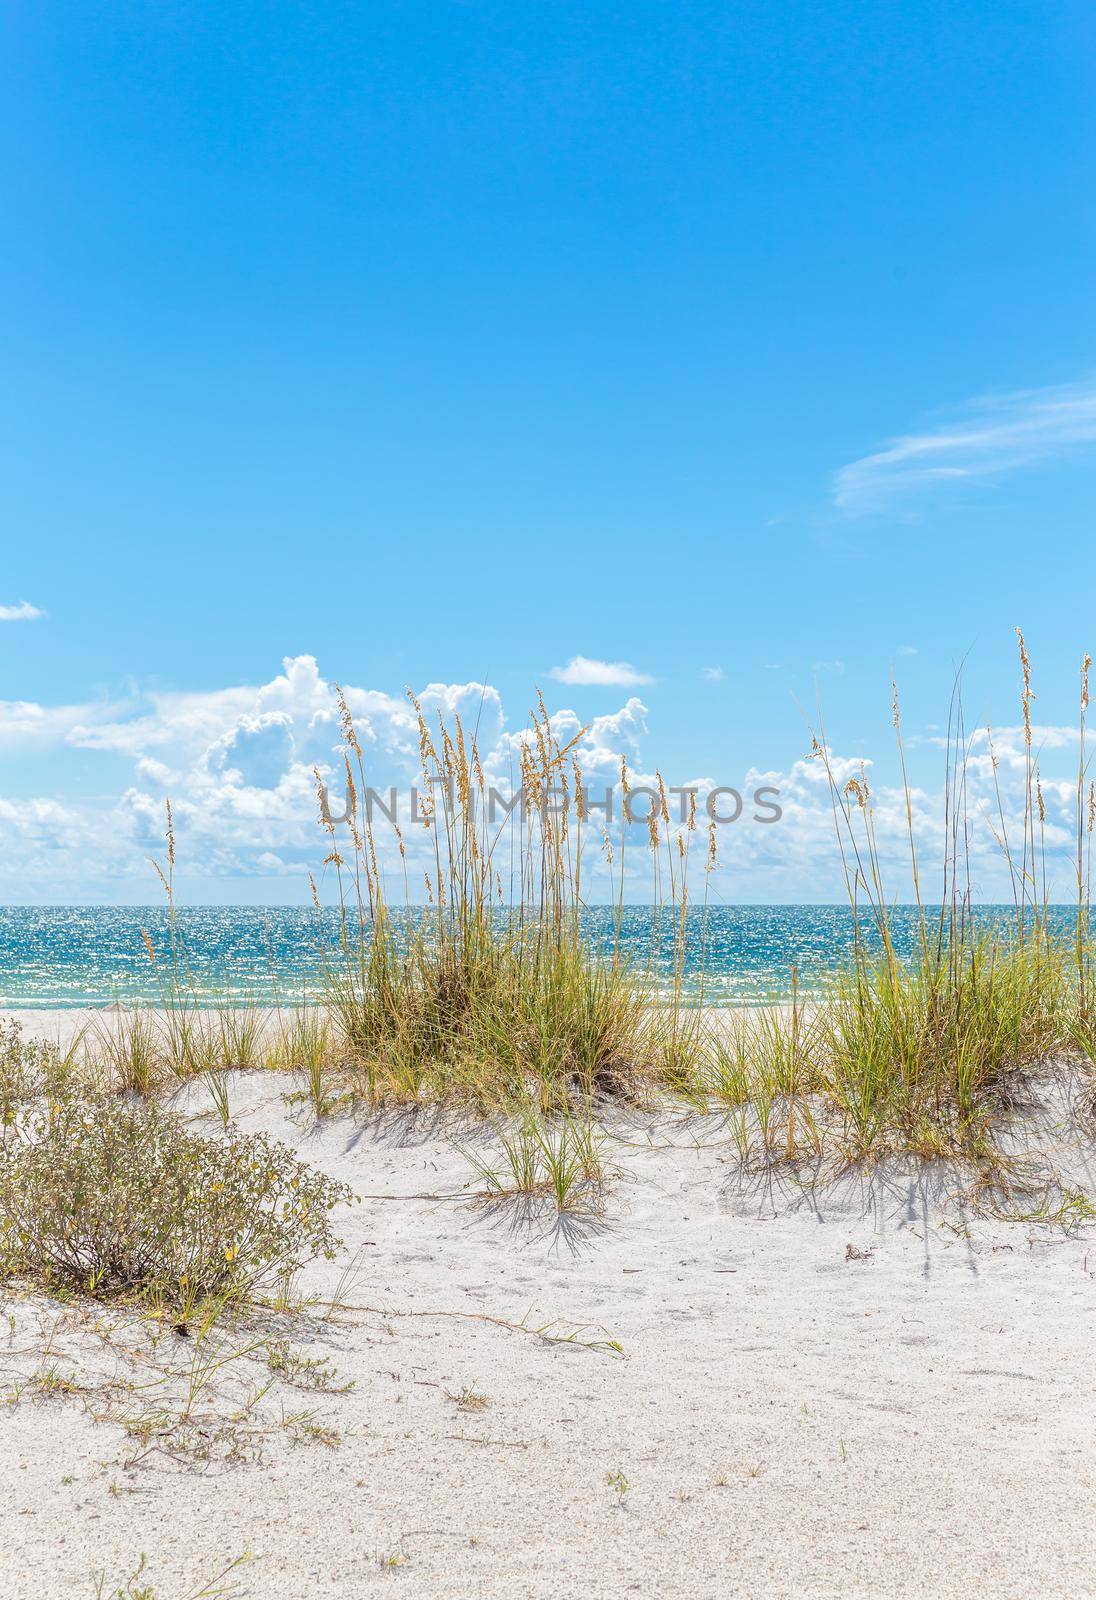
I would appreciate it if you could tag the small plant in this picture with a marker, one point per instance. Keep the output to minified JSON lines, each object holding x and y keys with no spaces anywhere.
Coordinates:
{"x":29,"y":1070}
{"x":303,"y":1372}
{"x":618,"y":1483}
{"x":241,"y":1031}
{"x":109,"y":1198}
{"x":132,"y":1588}
{"x":303,"y":1043}
{"x":469,"y":1399}
{"x":129,"y":1045}
{"x":559,"y":1159}
{"x":217,"y":1084}
{"x":307,"y":1428}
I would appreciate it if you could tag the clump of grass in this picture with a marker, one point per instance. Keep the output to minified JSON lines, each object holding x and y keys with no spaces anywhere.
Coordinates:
{"x":305,"y":1043}
{"x":919,"y":1055}
{"x":916,"y":1053}
{"x":191,"y":1038}
{"x":110,"y":1198}
{"x":486,"y":995}
{"x":241,"y":1036}
{"x":763,"y":1067}
{"x":143,"y":1050}
{"x":130,"y":1047}
{"x":469,"y":1398}
{"x":557,"y":1158}
{"x":302,"y":1042}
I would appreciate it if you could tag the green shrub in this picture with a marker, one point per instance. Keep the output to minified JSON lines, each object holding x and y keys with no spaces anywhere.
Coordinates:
{"x":29,"y":1069}
{"x":114,"y":1198}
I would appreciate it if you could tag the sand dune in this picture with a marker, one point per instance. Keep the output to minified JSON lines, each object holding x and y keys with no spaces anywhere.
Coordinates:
{"x":863,"y":1389}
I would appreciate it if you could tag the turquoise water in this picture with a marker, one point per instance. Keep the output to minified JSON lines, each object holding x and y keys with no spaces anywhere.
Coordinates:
{"x":92,"y":955}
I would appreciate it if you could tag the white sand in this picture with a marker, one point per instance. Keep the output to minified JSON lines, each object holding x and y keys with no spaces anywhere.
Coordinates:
{"x":916,"y":1420}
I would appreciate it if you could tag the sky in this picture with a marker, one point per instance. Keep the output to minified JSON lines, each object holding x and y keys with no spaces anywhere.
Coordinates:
{"x":695,"y":365}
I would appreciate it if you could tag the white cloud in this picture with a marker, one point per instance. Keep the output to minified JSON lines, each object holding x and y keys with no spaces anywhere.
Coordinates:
{"x":713,"y":674}
{"x":992,"y":435}
{"x":23,"y":612}
{"x":585,"y":672}
{"x":238,"y":763}
{"x":907,"y":649}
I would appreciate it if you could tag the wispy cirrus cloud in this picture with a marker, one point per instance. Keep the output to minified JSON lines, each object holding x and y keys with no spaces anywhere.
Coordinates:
{"x":991,"y":435}
{"x":587,"y":672}
{"x":23,"y":612}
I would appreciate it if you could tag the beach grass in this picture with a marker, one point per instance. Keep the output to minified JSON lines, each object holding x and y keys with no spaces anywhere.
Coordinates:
{"x":554,"y":1158}
{"x":489,"y":997}
{"x":490,"y":994}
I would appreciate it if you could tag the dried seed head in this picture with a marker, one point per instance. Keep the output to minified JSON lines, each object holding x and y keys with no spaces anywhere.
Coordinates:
{"x":321,"y":798}
{"x":1027,"y":696}
{"x":859,"y":791}
{"x":346,"y":722}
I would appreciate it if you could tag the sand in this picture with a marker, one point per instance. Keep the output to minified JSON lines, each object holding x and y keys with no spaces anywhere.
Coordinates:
{"x":860,"y":1390}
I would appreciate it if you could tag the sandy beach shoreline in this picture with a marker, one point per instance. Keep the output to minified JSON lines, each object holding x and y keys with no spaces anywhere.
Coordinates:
{"x":864,"y":1389}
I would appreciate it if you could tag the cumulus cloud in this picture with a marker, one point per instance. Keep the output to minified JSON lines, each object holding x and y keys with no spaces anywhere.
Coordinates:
{"x":586,"y":672}
{"x":23,"y":612}
{"x":991,"y":436}
{"x":713,"y":674}
{"x":239,"y":765}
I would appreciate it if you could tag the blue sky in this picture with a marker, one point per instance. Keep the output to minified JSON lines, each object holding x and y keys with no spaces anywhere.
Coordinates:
{"x":445,"y":343}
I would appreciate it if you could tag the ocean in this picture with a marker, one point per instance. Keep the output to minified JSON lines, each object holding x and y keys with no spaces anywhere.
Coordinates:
{"x":61,"y":956}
